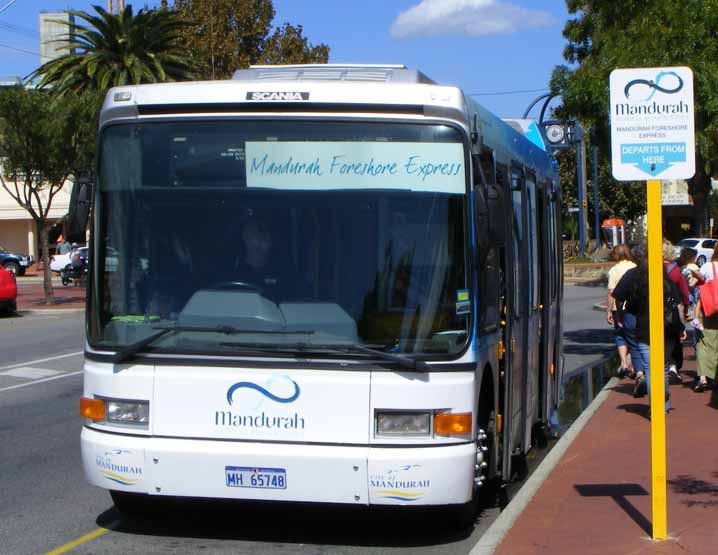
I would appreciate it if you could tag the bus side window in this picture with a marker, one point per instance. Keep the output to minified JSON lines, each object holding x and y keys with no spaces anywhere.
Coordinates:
{"x":489,"y":289}
{"x":518,"y":236}
{"x":489,"y":278}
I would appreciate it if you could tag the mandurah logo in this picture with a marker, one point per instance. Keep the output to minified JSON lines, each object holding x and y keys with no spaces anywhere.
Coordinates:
{"x":251,"y":417}
{"x":268,"y":394}
{"x":115,"y":467}
{"x":654,"y":85}
{"x":640,"y":94}
{"x":405,"y":483}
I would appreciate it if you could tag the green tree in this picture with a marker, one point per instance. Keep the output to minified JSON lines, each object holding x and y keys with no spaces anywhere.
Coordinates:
{"x":226,"y":35}
{"x":641,"y":33}
{"x":121,"y":49}
{"x":40,"y":144}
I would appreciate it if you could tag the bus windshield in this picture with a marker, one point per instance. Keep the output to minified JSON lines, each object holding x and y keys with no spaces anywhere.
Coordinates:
{"x":295,"y":235}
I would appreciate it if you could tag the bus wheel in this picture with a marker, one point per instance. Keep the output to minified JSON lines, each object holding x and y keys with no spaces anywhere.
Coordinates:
{"x":133,"y":504}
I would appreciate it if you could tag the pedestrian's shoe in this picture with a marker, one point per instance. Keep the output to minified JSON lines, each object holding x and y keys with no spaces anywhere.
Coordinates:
{"x":621,"y":373}
{"x":673,"y":374}
{"x":700,"y":387}
{"x":639,"y":389}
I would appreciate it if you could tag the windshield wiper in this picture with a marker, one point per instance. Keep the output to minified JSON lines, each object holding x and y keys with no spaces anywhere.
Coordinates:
{"x":406,"y":362}
{"x":133,"y":348}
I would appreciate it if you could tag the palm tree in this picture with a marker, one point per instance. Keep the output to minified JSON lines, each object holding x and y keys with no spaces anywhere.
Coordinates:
{"x":117,"y":50}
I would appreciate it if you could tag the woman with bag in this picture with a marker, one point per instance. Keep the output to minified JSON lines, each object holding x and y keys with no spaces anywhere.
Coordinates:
{"x":706,"y":324}
{"x":621,"y":254}
{"x":632,"y":307}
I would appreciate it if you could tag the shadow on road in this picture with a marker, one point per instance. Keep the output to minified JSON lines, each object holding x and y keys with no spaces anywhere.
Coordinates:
{"x":588,"y":341}
{"x":597,"y":282}
{"x":293,"y":523}
{"x":590,"y":336}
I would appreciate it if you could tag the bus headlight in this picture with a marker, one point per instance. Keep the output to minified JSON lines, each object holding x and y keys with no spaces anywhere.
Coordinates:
{"x":403,"y":423}
{"x":128,"y":412}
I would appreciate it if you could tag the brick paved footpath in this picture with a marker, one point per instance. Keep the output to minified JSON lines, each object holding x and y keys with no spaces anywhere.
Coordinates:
{"x":597,"y":499}
{"x":31,"y":296}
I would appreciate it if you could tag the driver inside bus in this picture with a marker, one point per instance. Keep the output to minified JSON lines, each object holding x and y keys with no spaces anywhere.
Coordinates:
{"x":259,"y":264}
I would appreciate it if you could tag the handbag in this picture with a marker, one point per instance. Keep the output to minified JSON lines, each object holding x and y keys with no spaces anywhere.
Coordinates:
{"x":709,"y":295}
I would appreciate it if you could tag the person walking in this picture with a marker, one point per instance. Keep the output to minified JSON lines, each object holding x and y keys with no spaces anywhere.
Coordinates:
{"x":694,"y":278}
{"x":621,"y":254}
{"x":675,"y":334}
{"x":707,"y":332}
{"x":632,"y":310}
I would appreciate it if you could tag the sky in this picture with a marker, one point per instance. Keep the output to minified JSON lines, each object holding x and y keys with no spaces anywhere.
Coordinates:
{"x":489,"y":48}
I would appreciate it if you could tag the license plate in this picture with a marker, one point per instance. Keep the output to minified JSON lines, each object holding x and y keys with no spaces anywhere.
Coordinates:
{"x":255,"y":477}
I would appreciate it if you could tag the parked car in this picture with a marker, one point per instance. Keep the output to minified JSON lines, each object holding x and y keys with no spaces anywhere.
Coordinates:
{"x":58,"y":262}
{"x":15,"y":263}
{"x":8,"y":292}
{"x":704,"y":246}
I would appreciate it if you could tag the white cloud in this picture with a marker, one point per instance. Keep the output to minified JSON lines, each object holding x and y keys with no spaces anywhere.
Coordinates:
{"x":474,"y":18}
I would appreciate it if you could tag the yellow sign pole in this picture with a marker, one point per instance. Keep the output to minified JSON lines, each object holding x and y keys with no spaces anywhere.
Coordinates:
{"x":657,"y":362}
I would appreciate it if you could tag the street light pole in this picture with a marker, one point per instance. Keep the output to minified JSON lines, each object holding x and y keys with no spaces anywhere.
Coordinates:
{"x":581,"y":178}
{"x":596,"y":228}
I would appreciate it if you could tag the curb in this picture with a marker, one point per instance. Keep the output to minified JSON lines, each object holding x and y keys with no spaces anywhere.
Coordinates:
{"x":50,"y":311}
{"x":493,"y":537}
{"x":601,"y":307}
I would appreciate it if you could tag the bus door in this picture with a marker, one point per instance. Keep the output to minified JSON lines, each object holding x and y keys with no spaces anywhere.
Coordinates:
{"x":533,"y":309}
{"x":547,"y":280}
{"x":515,"y":380}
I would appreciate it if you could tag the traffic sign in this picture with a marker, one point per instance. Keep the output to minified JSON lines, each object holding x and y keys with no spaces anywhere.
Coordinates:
{"x":652,"y":130}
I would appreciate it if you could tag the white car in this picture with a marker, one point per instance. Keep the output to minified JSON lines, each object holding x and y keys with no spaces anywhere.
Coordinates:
{"x":59,"y":261}
{"x":704,"y":246}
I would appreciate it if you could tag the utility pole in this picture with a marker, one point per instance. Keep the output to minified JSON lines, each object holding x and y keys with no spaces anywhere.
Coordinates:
{"x":596,"y":223}
{"x":581,"y":178}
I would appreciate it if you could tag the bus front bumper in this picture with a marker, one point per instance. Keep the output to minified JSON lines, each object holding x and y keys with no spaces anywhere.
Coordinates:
{"x":441,"y":475}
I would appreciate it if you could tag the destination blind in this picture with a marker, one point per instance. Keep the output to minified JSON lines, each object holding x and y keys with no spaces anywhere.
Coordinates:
{"x":430,"y":167}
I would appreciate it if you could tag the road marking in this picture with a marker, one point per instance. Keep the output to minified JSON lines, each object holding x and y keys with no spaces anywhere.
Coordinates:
{"x":84,"y":539}
{"x":31,"y":362}
{"x":30,"y":373}
{"x":18,"y":386}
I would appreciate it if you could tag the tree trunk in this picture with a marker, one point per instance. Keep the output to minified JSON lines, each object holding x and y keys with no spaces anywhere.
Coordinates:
{"x":43,"y":231}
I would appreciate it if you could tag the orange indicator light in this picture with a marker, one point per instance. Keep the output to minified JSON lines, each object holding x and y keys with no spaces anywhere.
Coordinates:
{"x":94,"y":409}
{"x":446,"y":424}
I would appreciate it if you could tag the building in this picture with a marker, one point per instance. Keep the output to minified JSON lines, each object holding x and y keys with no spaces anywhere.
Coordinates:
{"x":55,"y":28}
{"x":17,"y":229}
{"x":680,"y":217}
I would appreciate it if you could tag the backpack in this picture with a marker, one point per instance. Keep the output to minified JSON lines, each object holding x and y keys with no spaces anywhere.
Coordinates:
{"x":672,"y":299}
{"x":709,"y":295}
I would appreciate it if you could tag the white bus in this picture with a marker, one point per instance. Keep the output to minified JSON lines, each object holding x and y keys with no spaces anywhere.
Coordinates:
{"x":335,"y":284}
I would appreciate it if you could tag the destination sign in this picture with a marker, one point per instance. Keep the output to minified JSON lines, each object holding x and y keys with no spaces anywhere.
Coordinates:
{"x":428,"y":167}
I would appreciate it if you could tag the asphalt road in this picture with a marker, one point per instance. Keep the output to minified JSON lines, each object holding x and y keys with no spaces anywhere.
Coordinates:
{"x":586,"y":334}
{"x":48,"y":508}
